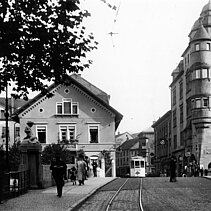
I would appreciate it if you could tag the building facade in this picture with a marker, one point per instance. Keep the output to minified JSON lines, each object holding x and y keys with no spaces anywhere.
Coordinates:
{"x":124,"y":152}
{"x":122,"y":137}
{"x":78,"y":115}
{"x":148,"y":148}
{"x":13,"y":127}
{"x":191,"y":98}
{"x":162,"y":133}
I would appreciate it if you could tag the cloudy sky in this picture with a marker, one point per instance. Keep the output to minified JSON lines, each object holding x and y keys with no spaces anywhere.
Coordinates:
{"x":135,"y":66}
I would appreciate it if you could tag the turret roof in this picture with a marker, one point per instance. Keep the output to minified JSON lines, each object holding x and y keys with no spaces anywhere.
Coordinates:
{"x":201,"y":34}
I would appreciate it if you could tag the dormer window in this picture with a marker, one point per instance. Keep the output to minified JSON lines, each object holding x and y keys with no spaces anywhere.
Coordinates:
{"x":67,"y":107}
{"x":197,"y":47}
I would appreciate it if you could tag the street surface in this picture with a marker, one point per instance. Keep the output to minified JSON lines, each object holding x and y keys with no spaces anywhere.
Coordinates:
{"x":187,"y":194}
{"x":158,"y":194}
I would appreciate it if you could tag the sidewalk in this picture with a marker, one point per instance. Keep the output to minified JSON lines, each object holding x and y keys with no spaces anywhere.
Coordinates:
{"x":46,"y":199}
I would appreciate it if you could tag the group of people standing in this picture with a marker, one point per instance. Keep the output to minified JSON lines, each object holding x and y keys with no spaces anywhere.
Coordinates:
{"x":78,"y":172}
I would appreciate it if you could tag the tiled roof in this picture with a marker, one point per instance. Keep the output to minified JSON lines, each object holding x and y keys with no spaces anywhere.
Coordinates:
{"x":201,"y":34}
{"x":95,"y":90}
{"x":129,"y":143}
{"x":17,"y":103}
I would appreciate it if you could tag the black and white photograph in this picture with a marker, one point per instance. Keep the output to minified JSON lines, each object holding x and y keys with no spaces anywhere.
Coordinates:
{"x":105,"y":105}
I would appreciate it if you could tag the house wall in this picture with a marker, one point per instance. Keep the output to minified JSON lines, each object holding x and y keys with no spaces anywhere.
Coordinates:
{"x":101,"y":117}
{"x":11,"y":126}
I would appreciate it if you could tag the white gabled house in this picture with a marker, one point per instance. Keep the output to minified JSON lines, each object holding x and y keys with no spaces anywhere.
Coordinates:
{"x":78,"y":111}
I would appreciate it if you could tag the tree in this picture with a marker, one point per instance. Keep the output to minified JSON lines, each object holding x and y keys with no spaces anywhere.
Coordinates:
{"x":14,"y":156}
{"x":42,"y":41}
{"x":51,"y":150}
{"x":108,"y":160}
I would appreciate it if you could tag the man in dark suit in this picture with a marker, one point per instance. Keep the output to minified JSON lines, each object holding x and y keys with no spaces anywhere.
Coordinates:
{"x":59,"y":169}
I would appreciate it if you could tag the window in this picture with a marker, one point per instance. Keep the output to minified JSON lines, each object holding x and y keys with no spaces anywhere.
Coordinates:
{"x":197,"y":47}
{"x":2,"y":114}
{"x":209,"y":73}
{"x":198,"y":103}
{"x":17,"y":132}
{"x":201,"y":73}
{"x":181,"y":113}
{"x":174,"y":119}
{"x":204,"y":73}
{"x":175,"y":141}
{"x":174,"y":96}
{"x":208,"y":46}
{"x":67,"y":133}
{"x":205,"y":102}
{"x":67,"y":107}
{"x":181,"y":90}
{"x":41,"y":133}
{"x":4,"y":132}
{"x":197,"y":74}
{"x":93,"y":134}
{"x":59,"y":108}
{"x":75,"y":108}
{"x":188,"y":79}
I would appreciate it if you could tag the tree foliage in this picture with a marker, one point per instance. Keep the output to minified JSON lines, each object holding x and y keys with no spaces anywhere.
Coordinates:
{"x":108,"y":160}
{"x":14,"y":156}
{"x":42,"y":41}
{"x":49,"y":152}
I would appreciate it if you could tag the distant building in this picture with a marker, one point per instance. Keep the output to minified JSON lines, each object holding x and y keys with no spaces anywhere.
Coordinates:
{"x":162,"y":133}
{"x":13,"y":127}
{"x":122,"y":137}
{"x":148,"y":144}
{"x":124,"y":152}
{"x":142,"y":145}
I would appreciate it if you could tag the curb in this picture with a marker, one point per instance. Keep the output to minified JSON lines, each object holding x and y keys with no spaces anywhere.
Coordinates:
{"x":207,"y":177}
{"x":76,"y":205}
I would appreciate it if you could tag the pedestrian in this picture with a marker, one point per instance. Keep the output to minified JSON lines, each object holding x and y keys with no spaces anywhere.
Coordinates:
{"x":94,"y":167}
{"x":86,"y":159}
{"x":205,"y":172}
{"x":81,"y":169}
{"x":73,"y":172}
{"x":172,"y":170}
{"x":202,"y":172}
{"x":59,"y":169}
{"x":3,"y":168}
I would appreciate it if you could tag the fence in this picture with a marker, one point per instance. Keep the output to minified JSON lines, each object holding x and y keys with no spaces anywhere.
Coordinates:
{"x":15,"y":183}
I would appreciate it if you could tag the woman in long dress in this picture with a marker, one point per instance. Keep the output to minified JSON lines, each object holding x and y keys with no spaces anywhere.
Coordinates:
{"x":81,"y":170}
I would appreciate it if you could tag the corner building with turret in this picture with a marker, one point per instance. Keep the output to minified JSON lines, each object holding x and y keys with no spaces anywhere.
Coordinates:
{"x":191,"y":99}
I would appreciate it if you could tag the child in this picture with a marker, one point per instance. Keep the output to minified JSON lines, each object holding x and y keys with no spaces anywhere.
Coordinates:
{"x":73,"y":172}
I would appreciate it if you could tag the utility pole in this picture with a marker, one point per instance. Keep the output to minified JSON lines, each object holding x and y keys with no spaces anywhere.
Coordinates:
{"x":7,"y":128}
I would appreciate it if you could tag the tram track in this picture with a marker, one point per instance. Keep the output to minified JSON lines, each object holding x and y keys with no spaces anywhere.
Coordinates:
{"x":120,"y":194}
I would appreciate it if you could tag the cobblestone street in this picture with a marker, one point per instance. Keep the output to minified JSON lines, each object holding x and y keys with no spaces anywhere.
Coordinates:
{"x":187,"y":194}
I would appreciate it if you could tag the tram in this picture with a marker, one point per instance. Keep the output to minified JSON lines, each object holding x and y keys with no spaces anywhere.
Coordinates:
{"x":137,"y":166}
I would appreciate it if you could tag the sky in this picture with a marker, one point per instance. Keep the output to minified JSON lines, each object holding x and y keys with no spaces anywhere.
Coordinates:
{"x":134,"y":65}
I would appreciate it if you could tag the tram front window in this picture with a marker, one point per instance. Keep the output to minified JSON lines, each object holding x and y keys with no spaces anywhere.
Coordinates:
{"x":142,"y":164}
{"x":137,"y":164}
{"x":132,"y":164}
